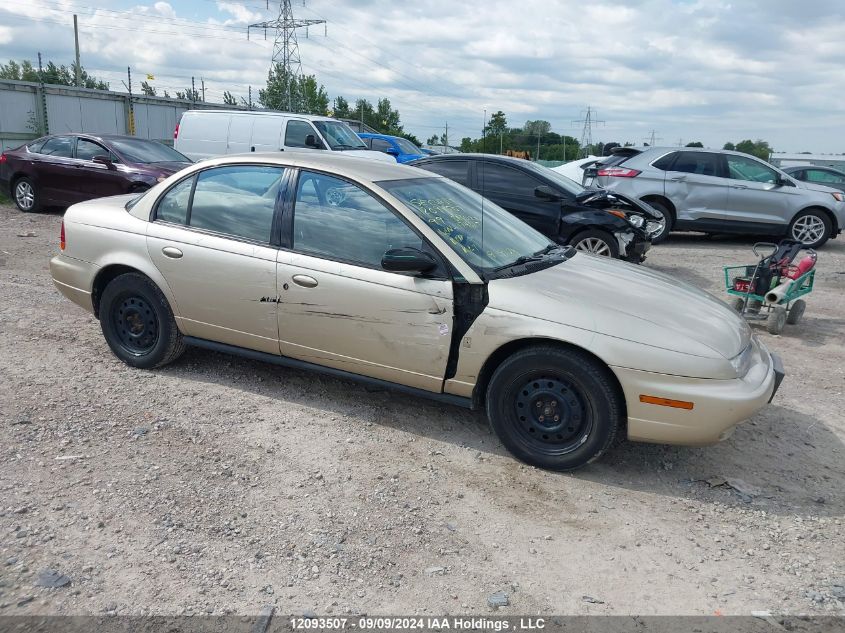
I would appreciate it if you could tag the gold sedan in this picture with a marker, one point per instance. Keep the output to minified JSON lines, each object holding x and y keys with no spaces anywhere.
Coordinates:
{"x":396,"y":276}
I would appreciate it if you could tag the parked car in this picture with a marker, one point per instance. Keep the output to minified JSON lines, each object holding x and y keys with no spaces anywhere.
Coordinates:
{"x":561,"y":209}
{"x":403,"y":279}
{"x":574,"y":169}
{"x":719,"y":191}
{"x":400,"y":148}
{"x":202,"y":134}
{"x":827,"y":176}
{"x":67,"y":168}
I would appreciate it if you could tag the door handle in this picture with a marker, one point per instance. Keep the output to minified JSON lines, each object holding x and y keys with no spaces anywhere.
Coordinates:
{"x":171,"y":252}
{"x":678,"y":178}
{"x":305,"y":281}
{"x":739,"y":186}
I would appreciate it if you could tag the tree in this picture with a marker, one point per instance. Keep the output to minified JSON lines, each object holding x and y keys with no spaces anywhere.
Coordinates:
{"x":729,"y":146}
{"x":147,"y":89}
{"x":190,"y":94}
{"x":758,"y":148}
{"x":537,"y":128}
{"x":340,"y":108}
{"x":51,"y":74}
{"x":410,"y":137}
{"x":695,"y":144}
{"x":468,"y":145}
{"x":498,"y":123}
{"x":388,"y":118}
{"x":229,"y":98}
{"x":433,"y":140}
{"x":306,"y":95}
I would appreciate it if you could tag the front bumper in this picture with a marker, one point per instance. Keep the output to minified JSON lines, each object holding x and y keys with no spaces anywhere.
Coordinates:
{"x":633,"y":245}
{"x":718,"y":405}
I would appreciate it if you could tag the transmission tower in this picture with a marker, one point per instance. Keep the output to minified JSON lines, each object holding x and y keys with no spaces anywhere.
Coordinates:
{"x":587,"y":121}
{"x":286,"y":48}
{"x":652,"y":139}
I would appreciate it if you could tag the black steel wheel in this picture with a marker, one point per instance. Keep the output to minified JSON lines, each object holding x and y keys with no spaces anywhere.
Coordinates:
{"x":554,"y":408}
{"x":138,"y":324}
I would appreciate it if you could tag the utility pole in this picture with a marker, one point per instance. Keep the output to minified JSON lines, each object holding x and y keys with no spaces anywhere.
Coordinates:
{"x":538,"y":145}
{"x":202,"y":87}
{"x":446,"y":138}
{"x":587,"y":130}
{"x":500,"y":142}
{"x":285,"y":48}
{"x":76,"y":44}
{"x":43,"y":96}
{"x":362,"y":115}
{"x":193,"y":92}
{"x":250,"y":97}
{"x":484,"y":132}
{"x":131,"y":106}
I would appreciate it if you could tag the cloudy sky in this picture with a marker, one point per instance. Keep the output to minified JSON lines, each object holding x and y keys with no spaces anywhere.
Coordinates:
{"x":708,"y":70}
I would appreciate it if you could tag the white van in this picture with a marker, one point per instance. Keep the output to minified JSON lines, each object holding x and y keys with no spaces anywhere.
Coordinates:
{"x":204,"y":134}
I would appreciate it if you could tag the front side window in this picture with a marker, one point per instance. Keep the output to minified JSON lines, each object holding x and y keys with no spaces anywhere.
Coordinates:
{"x":407,"y":147}
{"x":501,"y":179}
{"x":483,"y":234}
{"x":741,"y":168}
{"x":296,"y":132}
{"x":338,"y":220}
{"x":380,"y":145}
{"x":824,"y":176}
{"x":701,"y":163}
{"x":87,"y":150}
{"x":61,"y":146}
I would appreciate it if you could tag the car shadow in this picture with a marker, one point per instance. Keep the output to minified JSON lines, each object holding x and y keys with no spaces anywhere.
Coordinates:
{"x":781,"y":461}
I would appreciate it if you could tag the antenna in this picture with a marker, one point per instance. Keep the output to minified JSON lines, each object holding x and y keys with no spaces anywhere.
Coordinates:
{"x":587,"y":121}
{"x":286,"y":48}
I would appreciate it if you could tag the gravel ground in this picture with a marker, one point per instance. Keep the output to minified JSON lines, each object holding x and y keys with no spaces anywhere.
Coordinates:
{"x":219,"y":485}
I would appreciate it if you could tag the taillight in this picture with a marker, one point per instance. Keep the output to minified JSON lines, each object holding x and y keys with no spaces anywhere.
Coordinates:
{"x":62,"y":237}
{"x":618,"y":172}
{"x":176,"y":132}
{"x":2,"y":158}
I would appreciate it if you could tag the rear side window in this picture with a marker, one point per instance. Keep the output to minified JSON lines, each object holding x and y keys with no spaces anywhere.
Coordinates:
{"x":665,"y":163}
{"x":702,"y":163}
{"x":296,"y":132}
{"x":239,"y":201}
{"x":452,"y":169}
{"x":61,"y":146}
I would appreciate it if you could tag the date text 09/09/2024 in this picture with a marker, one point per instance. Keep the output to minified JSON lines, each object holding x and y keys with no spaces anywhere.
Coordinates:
{"x":387,"y":623}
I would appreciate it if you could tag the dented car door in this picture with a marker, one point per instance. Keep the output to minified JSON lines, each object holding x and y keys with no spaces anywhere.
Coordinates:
{"x":339,"y":308}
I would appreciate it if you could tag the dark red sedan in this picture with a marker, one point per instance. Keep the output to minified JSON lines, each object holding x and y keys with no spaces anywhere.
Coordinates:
{"x":64,"y":169}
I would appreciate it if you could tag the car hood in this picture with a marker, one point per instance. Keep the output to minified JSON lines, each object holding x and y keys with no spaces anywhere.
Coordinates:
{"x":604,"y":199}
{"x":368,"y":153}
{"x":625,"y":301}
{"x":811,"y":186}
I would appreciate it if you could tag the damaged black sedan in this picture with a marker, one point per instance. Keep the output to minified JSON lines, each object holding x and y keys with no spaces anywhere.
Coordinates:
{"x":595,"y":221}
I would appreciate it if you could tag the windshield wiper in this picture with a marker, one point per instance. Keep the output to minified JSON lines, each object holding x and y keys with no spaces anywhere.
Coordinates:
{"x":524,"y":259}
{"x":345,"y":146}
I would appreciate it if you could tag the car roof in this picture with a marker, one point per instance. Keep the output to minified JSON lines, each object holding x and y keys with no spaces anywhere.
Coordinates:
{"x":496,"y":158}
{"x":307,"y":117}
{"x":342,"y":162}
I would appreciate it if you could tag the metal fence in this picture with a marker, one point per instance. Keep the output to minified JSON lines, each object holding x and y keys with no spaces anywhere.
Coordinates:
{"x":28,"y":110}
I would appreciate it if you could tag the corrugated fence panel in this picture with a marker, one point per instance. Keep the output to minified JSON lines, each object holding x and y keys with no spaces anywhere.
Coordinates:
{"x":156,"y":121}
{"x":16,"y":107}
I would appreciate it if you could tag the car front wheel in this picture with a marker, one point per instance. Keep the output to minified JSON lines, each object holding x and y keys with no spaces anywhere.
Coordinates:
{"x":138,"y":324}
{"x":811,"y":228}
{"x":665,"y":224}
{"x":596,"y":243}
{"x":26,"y":196}
{"x":554,"y":408}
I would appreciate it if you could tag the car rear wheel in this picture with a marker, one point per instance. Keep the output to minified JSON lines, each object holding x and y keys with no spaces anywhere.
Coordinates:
{"x":554,"y":408}
{"x":138,"y":324}
{"x":26,"y":196}
{"x":663,"y":234}
{"x":811,"y":228}
{"x":596,"y":243}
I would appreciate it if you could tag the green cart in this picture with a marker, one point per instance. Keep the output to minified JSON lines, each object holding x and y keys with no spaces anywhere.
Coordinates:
{"x":781,"y":304}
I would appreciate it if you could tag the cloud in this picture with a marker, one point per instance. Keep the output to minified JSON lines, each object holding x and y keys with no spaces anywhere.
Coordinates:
{"x":708,"y":70}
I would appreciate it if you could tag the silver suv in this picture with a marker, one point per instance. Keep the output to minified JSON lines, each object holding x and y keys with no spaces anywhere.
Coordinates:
{"x":718,"y":191}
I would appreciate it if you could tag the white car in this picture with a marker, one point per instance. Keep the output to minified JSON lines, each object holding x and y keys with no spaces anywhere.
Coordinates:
{"x":202,"y":134}
{"x":574,"y":169}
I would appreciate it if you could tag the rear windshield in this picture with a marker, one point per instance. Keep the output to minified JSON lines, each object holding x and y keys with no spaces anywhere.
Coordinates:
{"x":615,"y":159}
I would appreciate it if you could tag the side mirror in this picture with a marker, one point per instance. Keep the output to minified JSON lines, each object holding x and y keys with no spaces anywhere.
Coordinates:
{"x":312,"y":142}
{"x":103,"y":160}
{"x":392,"y":151}
{"x":545,"y":192}
{"x":408,"y":260}
{"x":783,"y":181}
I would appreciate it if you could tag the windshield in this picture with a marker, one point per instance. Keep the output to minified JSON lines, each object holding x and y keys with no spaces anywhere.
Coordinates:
{"x":486,"y":236}
{"x":407,"y":147}
{"x":339,"y":135}
{"x":141,"y":151}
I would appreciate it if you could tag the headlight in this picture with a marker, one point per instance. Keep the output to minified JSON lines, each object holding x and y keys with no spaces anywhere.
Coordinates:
{"x":741,"y":363}
{"x":636,"y":220}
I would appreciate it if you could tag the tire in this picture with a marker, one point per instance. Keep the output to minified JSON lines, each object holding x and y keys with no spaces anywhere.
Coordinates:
{"x":776,"y":320}
{"x":738,"y":303}
{"x":668,"y":220}
{"x":540,"y":381}
{"x":138,"y":324}
{"x":26,"y":195}
{"x":596,"y":242}
{"x":796,"y":311}
{"x":812,"y":228}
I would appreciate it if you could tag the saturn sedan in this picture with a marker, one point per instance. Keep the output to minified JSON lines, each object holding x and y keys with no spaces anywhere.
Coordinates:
{"x":397,"y":277}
